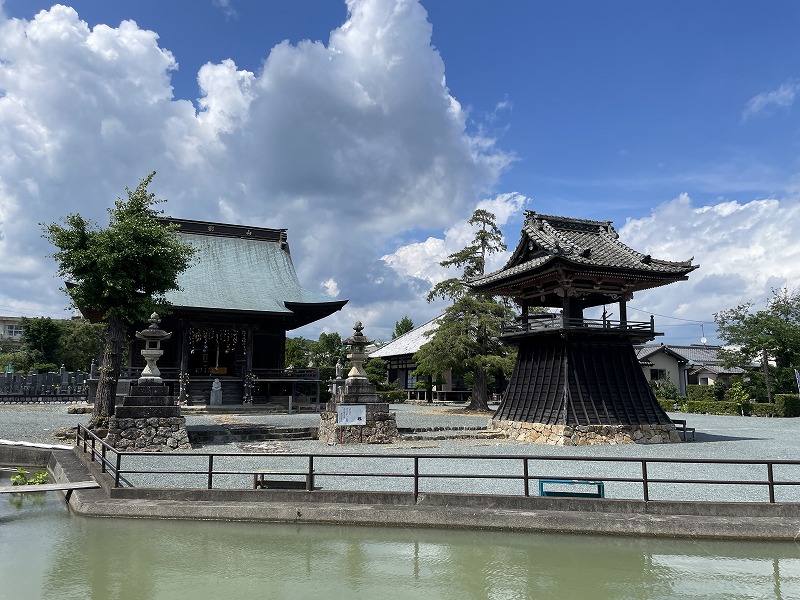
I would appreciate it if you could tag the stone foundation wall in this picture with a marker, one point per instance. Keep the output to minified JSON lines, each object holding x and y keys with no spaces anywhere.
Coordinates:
{"x":380,"y":428}
{"x":585,"y":435}
{"x":153,"y":434}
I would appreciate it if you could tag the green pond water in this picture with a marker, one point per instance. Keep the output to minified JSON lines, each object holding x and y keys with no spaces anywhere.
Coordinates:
{"x":45,"y":552}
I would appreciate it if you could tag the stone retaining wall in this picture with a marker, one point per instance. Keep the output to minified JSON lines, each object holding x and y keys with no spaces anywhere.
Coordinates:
{"x":585,"y":435}
{"x":153,"y":434}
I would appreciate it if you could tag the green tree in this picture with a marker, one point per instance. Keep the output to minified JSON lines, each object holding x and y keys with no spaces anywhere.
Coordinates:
{"x":377,"y":371}
{"x":773,"y":333}
{"x":467,"y":339}
{"x":51,"y":343}
{"x":402,"y":326}
{"x":326,"y":352}
{"x":118,"y":275}
{"x":80,"y":344}
{"x":41,"y":340}
{"x":297,"y":353}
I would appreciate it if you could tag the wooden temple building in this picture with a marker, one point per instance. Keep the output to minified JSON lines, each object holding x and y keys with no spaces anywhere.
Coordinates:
{"x":577,"y":380}
{"x":230,"y":317}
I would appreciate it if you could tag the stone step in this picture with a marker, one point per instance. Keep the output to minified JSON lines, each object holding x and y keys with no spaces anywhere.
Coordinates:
{"x":219,"y":434}
{"x":444,"y":433}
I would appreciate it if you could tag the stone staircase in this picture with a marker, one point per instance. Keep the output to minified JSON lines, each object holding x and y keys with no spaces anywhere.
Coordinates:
{"x":228,"y":433}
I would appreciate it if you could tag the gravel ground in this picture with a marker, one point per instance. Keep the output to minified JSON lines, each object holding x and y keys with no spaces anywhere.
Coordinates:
{"x":719,"y":437}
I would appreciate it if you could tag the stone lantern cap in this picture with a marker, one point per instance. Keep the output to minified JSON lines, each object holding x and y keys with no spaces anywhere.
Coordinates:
{"x":359,"y":339}
{"x":153,"y":336}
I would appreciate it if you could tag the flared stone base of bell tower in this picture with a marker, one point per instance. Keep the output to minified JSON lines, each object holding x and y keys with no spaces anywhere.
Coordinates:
{"x":585,"y":435}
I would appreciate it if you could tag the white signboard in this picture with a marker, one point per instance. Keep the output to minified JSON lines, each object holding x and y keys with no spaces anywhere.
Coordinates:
{"x":352,"y":414}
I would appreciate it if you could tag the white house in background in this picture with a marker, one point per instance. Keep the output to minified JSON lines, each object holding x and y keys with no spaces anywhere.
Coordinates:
{"x":399,"y":354}
{"x":683,"y":365}
{"x":10,"y":333}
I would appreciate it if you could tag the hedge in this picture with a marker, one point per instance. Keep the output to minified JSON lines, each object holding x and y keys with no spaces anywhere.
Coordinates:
{"x":712,"y":407}
{"x":787,"y":405}
{"x":700,"y":393}
{"x":763,"y":409}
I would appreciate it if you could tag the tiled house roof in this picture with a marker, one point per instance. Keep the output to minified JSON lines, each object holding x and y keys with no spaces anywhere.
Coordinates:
{"x":697,"y":357}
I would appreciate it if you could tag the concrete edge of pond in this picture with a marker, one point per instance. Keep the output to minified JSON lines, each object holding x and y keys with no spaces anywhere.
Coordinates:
{"x":731,"y":521}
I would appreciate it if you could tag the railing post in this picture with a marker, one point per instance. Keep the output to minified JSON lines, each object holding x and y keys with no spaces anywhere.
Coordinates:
{"x":210,"y":471}
{"x":771,"y":480}
{"x":117,"y":467}
{"x":310,"y":478}
{"x":103,"y":455}
{"x":525,"y":475}
{"x":644,"y":482}
{"x":92,"y":455}
{"x":416,"y":479}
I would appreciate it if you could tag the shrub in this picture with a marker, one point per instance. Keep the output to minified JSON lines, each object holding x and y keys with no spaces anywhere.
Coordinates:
{"x":664,"y":388}
{"x":787,"y":405}
{"x":394,"y":396}
{"x":763,"y":409}
{"x":668,"y":404}
{"x":712,"y":407}
{"x":700,"y":393}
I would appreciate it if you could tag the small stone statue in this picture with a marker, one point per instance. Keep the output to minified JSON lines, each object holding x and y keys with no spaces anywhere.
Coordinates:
{"x":216,"y":393}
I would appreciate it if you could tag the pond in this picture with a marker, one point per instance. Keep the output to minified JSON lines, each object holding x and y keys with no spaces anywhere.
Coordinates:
{"x":48,"y":553}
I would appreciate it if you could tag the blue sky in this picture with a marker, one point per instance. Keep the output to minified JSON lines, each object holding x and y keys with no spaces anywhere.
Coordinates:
{"x":676,"y":120}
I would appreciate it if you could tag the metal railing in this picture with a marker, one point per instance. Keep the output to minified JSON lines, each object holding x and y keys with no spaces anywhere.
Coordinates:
{"x":426,"y":468}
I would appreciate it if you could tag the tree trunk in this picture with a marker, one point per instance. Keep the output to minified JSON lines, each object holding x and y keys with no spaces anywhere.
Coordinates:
{"x":113,"y":342}
{"x":480,"y":394}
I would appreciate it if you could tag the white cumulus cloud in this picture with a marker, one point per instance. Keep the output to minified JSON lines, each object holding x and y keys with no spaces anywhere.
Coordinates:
{"x":349,"y":144}
{"x":744,"y":249}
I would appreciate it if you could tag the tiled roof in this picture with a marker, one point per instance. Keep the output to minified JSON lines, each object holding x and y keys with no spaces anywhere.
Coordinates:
{"x":717,"y":370}
{"x":408,"y":343}
{"x":579,"y":244}
{"x":695,"y":355}
{"x":241,"y":274}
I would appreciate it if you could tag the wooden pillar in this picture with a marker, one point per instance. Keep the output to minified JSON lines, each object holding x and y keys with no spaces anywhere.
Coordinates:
{"x":525,"y":304}
{"x":623,"y":312}
{"x":249,"y":350}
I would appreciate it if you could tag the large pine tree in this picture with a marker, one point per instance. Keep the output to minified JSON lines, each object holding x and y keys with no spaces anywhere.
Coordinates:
{"x":467,"y":339}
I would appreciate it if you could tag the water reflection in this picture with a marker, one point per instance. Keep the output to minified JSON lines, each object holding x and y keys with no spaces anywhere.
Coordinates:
{"x":47,"y":554}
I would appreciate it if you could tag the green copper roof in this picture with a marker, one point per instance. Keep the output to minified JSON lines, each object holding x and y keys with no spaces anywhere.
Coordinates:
{"x":242,"y":274}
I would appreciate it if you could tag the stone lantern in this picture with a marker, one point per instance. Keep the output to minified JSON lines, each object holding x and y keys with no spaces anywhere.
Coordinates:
{"x":358,"y":344}
{"x":152,"y":336}
{"x":356,"y":415}
{"x":149,"y":419}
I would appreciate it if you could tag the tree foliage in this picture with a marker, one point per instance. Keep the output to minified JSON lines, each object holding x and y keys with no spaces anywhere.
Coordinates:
{"x":326,"y":352}
{"x":467,"y":338}
{"x":41,"y":340}
{"x":775,"y":329}
{"x":402,"y":326}
{"x":118,"y":274}
{"x":49,"y":344}
{"x":297,"y":353}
